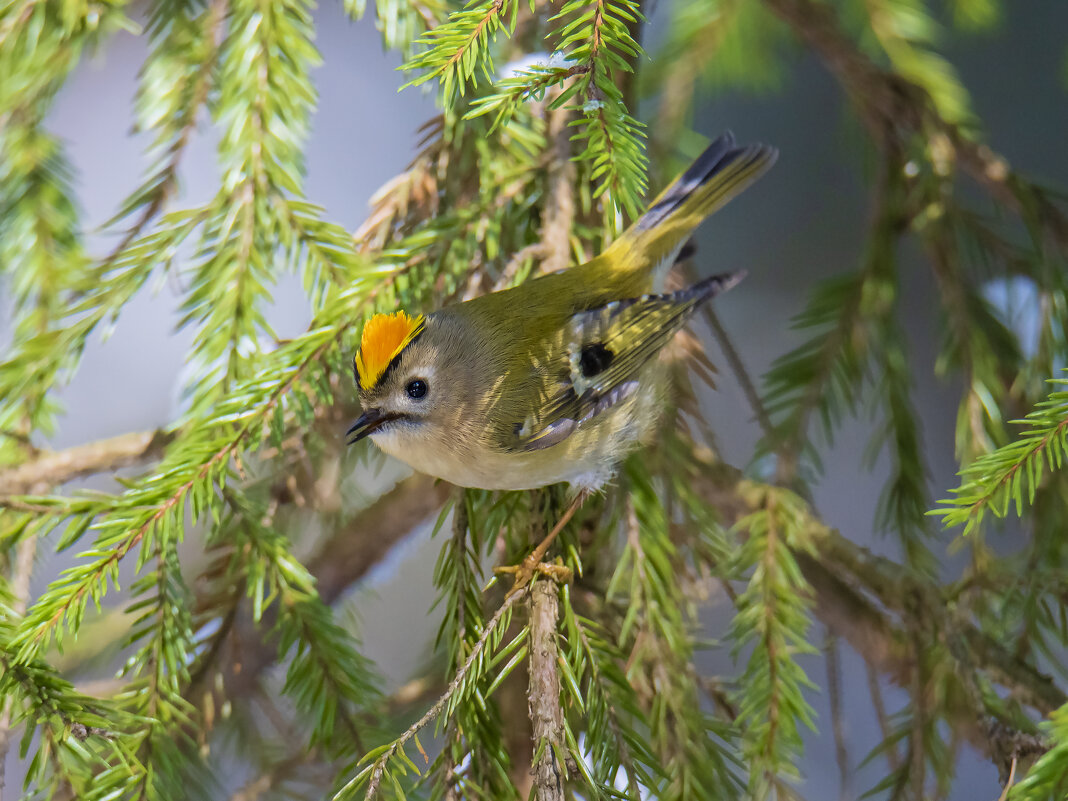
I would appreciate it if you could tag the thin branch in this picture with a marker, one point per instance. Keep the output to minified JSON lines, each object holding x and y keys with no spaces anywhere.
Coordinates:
{"x":48,"y":469}
{"x":893,"y":758}
{"x":559,"y":211}
{"x":741,"y":374}
{"x":1008,"y":785}
{"x":25,"y":552}
{"x":472,"y":38}
{"x":546,"y":713}
{"x":834,"y":696}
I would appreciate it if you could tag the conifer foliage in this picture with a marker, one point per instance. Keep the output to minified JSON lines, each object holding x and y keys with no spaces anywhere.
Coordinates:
{"x":588,"y":682}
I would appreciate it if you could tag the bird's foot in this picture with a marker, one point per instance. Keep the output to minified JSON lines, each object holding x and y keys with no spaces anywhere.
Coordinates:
{"x":526,"y":570}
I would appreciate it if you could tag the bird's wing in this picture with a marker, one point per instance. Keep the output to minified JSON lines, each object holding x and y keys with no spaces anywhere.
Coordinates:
{"x":597,"y":359}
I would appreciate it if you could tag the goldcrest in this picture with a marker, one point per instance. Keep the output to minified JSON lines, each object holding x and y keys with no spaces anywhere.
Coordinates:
{"x":556,"y":379}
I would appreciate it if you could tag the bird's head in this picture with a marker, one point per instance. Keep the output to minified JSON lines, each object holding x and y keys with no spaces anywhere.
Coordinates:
{"x":413,"y":381}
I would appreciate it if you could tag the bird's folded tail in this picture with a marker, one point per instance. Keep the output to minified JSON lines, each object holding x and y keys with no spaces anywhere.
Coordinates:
{"x":723,"y":170}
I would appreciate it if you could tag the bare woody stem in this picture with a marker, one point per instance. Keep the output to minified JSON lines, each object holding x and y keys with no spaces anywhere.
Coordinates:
{"x":52,"y":468}
{"x":559,"y":212}
{"x":546,"y":714}
{"x":25,"y":552}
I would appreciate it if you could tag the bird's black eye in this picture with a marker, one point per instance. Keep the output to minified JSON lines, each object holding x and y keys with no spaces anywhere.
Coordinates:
{"x":416,"y":388}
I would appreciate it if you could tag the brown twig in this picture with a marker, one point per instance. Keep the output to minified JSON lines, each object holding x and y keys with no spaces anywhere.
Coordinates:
{"x":1008,"y":785}
{"x":741,"y":374}
{"x":25,"y":552}
{"x":834,"y":696}
{"x":543,"y":695}
{"x":53,"y":468}
{"x":893,"y":758}
{"x":559,"y":211}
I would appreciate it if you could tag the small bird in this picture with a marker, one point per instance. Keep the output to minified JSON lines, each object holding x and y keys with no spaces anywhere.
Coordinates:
{"x":556,"y":379}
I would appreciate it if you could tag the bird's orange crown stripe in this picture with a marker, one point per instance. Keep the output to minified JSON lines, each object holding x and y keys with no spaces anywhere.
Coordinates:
{"x":384,"y":336}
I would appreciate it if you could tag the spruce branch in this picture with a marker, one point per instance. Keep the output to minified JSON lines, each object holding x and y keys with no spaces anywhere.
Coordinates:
{"x":170,"y":107}
{"x":599,"y":690}
{"x":773,"y":616}
{"x":976,"y":341}
{"x":265,"y":101}
{"x":1004,"y":478}
{"x":459,"y":47}
{"x":83,"y":749}
{"x":597,"y":37}
{"x":523,"y":86}
{"x":458,"y":688}
{"x":904,"y":500}
{"x":189,"y":470}
{"x":694,"y":754}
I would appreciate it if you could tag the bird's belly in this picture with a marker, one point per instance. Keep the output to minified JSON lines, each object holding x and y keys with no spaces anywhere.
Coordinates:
{"x":587,"y":459}
{"x":497,"y":470}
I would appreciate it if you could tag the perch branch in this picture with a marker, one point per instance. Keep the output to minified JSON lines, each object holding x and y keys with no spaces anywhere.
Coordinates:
{"x":48,"y":469}
{"x":546,"y":714}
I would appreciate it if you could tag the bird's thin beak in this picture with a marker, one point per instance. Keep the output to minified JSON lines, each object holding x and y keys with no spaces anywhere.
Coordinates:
{"x":369,"y":421}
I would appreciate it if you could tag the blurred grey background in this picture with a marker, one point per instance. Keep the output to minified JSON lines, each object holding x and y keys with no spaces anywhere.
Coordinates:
{"x":803,"y":222}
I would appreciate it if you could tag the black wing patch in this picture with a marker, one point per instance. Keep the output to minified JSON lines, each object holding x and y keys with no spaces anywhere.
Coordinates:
{"x":605,"y":349}
{"x":594,"y":359}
